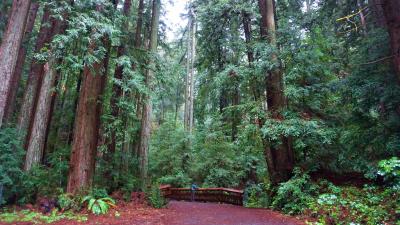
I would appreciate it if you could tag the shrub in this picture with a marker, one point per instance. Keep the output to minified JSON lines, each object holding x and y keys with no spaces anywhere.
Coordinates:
{"x":155,"y":197}
{"x":11,"y":158}
{"x":256,"y":196}
{"x":294,"y":196}
{"x":36,"y":183}
{"x":369,"y":205}
{"x":390,"y":170}
{"x":179,"y":179}
{"x":67,"y":201}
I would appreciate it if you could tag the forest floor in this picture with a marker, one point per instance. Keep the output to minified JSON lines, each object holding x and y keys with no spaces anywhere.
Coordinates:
{"x":182,"y":213}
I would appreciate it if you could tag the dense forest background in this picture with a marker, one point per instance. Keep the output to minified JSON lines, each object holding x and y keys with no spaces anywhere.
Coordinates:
{"x":260,"y":95}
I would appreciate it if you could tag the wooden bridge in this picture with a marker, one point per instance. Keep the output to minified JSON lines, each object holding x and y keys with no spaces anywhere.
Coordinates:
{"x":222,"y":195}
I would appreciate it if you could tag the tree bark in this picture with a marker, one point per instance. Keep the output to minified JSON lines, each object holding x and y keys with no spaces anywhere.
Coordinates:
{"x":35,"y":74}
{"x":188,"y":78}
{"x":86,"y":130}
{"x":192,"y":74}
{"x":391,"y":9}
{"x":10,"y":45}
{"x":44,"y":104}
{"x":37,"y":139}
{"x":133,"y":145}
{"x":378,"y":13}
{"x":280,"y":159}
{"x":250,"y":52}
{"x":12,"y":94}
{"x":117,"y":91}
{"x":147,"y":104}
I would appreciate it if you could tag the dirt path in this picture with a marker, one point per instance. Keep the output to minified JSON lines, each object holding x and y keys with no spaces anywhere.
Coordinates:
{"x":182,"y":213}
{"x":187,"y":213}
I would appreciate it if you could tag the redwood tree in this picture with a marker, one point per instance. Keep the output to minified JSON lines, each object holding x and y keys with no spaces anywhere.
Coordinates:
{"x":37,"y":138}
{"x":86,"y":129}
{"x":35,"y":73}
{"x":391,"y":10}
{"x":147,"y":104}
{"x":117,"y":91}
{"x":12,"y":94}
{"x":279,"y":158}
{"x":10,"y":45}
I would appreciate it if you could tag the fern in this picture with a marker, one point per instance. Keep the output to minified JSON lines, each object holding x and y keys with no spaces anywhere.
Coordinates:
{"x":100,"y":205}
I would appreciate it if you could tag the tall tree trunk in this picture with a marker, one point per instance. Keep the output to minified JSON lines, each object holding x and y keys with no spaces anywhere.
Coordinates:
{"x":117,"y":91}
{"x":186,"y":115}
{"x":12,"y":94}
{"x":133,"y":145}
{"x":247,"y":34}
{"x":86,"y":130}
{"x":250,"y":52}
{"x":10,"y":45}
{"x":280,"y":159}
{"x":190,"y":79}
{"x":36,"y":141}
{"x":192,"y":74}
{"x":391,"y":9}
{"x":378,"y":13}
{"x":147,"y":104}
{"x":35,"y":74}
{"x":44,"y":104}
{"x":235,"y":102}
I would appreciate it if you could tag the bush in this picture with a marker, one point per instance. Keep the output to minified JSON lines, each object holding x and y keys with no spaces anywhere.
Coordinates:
{"x":67,"y":201}
{"x":99,"y":193}
{"x":256,"y":196}
{"x":179,"y":179}
{"x":11,"y":159}
{"x":369,"y":205}
{"x":36,"y":183}
{"x":155,"y":197}
{"x":294,"y":196}
{"x":390,"y":170}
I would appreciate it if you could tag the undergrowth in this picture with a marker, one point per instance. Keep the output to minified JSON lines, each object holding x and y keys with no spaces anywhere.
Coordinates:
{"x":325,"y":203}
{"x":12,"y":216}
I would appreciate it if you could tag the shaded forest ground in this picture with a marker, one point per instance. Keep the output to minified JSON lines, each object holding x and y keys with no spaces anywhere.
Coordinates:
{"x":183,"y":213}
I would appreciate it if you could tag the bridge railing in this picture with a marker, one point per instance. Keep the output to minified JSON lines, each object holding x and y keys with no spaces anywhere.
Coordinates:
{"x":223,"y":195}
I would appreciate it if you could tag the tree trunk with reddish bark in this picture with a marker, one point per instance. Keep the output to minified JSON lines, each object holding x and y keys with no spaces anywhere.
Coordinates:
{"x":391,"y":10}
{"x":377,"y":12}
{"x":147,"y":104}
{"x":12,"y":94}
{"x":35,"y":74}
{"x":10,"y":45}
{"x":43,"y":105}
{"x":280,"y":159}
{"x":36,"y":141}
{"x":86,"y":130}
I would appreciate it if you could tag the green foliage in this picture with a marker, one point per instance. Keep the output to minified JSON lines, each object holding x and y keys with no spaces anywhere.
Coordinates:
{"x":349,"y":205}
{"x":67,"y":201}
{"x":294,"y":196}
{"x":11,"y":156}
{"x":258,"y":196}
{"x":390,"y":170}
{"x":38,"y":218}
{"x":155,"y":197}
{"x":98,"y":205}
{"x":170,"y":155}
